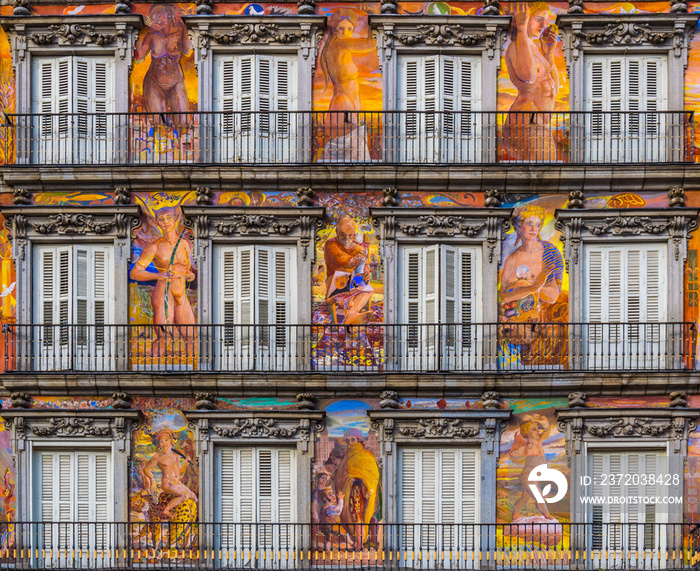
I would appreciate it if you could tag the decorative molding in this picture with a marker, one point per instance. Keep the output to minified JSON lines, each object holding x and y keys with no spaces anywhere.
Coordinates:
{"x":303,"y":31}
{"x":122,"y":196}
{"x":306,"y":7}
{"x":575,"y":199}
{"x":438,"y":225}
{"x":492,"y":198}
{"x":21,"y":197}
{"x":390,"y":197}
{"x":306,"y":401}
{"x":71,"y":427}
{"x":205,"y":401}
{"x":676,"y":197}
{"x":491,"y":400}
{"x":491,"y":8}
{"x":389,"y":399}
{"x":75,"y":34}
{"x":305,"y":197}
{"x":204,"y":8}
{"x":577,"y":400}
{"x":678,"y":399}
{"x":440,"y":428}
{"x":657,"y":32}
{"x":444,"y":35}
{"x":40,"y":221}
{"x":296,"y":425}
{"x":21,"y":8}
{"x":20,"y":400}
{"x":621,"y":225}
{"x":599,"y":424}
{"x":121,"y":401}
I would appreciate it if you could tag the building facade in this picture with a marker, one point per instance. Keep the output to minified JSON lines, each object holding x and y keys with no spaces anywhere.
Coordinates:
{"x":406,"y":284}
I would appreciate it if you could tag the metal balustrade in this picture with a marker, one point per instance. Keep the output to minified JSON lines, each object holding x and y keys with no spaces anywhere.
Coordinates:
{"x":345,"y":137}
{"x":271,"y":546}
{"x":373,"y":348}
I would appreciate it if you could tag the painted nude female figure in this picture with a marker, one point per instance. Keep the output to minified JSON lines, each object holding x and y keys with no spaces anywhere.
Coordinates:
{"x":527,"y":134}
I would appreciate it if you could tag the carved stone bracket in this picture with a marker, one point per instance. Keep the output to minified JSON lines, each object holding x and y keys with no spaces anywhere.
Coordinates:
{"x":295,"y":425}
{"x":408,"y":425}
{"x":250,"y":222}
{"x":24,"y":221}
{"x":597,"y":424}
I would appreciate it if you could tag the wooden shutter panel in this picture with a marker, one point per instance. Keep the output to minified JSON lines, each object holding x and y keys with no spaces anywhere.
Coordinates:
{"x":655,"y":305}
{"x":470,"y":487}
{"x":467,"y":282}
{"x":595,"y":285}
{"x":266,"y":486}
{"x":408,"y":92}
{"x":469,"y":96}
{"x":285,"y":486}
{"x":264,"y":276}
{"x":412,"y":270}
{"x":427,"y":504}
{"x":431,"y":284}
{"x":448,"y":492}
{"x":449,"y":269}
{"x":246,"y":279}
{"x":244,"y":87}
{"x":225,"y":93}
{"x":265,"y":90}
{"x":409,"y":469}
{"x":103,"y":94}
{"x":431,"y":81}
{"x":596,"y":94}
{"x":449,"y":79}
{"x":64,"y":83}
{"x":227,"y":497}
{"x":47,"y":102}
{"x":282,"y":93}
{"x":84,"y":80}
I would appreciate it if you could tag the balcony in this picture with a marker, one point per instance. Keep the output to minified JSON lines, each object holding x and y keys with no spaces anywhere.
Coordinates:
{"x":391,"y":137}
{"x":382,"y":348}
{"x":192,"y":545}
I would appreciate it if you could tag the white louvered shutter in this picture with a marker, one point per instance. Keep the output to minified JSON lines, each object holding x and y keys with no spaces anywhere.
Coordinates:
{"x":263,"y":286}
{"x":469,"y":94}
{"x":412,"y":277}
{"x":431,"y":281}
{"x":52,"y":92}
{"x":467,"y":272}
{"x":449,"y":78}
{"x":439,"y":485}
{"x":410,"y":71}
{"x":246,"y":278}
{"x":256,"y":485}
{"x":626,"y":283}
{"x":449,"y":269}
{"x":283,"y":93}
{"x":225,"y":92}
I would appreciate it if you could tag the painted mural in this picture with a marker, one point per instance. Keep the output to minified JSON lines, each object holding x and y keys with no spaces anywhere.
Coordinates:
{"x":347,"y":495}
{"x":162,"y":288}
{"x":533,"y":288}
{"x":531,"y":439}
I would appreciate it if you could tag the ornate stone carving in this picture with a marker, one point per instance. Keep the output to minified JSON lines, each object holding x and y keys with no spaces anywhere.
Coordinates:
{"x":203,"y":195}
{"x":305,"y":196}
{"x":71,"y":426}
{"x":389,"y":399}
{"x":76,"y":34}
{"x":440,"y":428}
{"x":390,"y":197}
{"x":679,"y":7}
{"x":255,"y":428}
{"x":575,"y":199}
{"x":122,"y":195}
{"x":203,"y":8}
{"x":255,"y":225}
{"x":122,"y":7}
{"x":443,"y":35}
{"x":21,"y":8}
{"x":575,"y":7}
{"x":389,"y":7}
{"x":625,"y":33}
{"x":577,"y":400}
{"x":306,"y":401}
{"x":205,"y":401}
{"x":491,"y":8}
{"x":679,"y":399}
{"x":306,"y":7}
{"x":632,"y":426}
{"x":628,"y":225}
{"x":73,"y":224}
{"x":21,"y":197}
{"x":491,"y":400}
{"x":676,"y":197}
{"x":438,"y":225}
{"x":121,"y":401}
{"x":20,"y":400}
{"x":254,"y":34}
{"x":492,"y":198}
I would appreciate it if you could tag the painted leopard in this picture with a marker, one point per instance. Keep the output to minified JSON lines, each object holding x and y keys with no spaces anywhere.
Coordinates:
{"x":173,"y":532}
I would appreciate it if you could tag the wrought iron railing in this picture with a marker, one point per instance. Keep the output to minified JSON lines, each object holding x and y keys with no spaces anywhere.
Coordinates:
{"x":193,"y":545}
{"x":391,"y":137}
{"x":374,"y":348}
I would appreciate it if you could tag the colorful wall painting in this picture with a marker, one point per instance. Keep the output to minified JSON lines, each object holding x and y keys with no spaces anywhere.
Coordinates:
{"x":531,"y":439}
{"x":347,"y":480}
{"x":347,"y":79}
{"x":533,"y":287}
{"x":162,"y":288}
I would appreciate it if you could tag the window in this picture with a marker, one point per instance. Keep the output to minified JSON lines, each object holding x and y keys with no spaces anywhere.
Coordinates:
{"x":439,"y":292}
{"x":256,"y":306}
{"x":73,"y":95}
{"x":256,"y":485}
{"x":443,"y":91}
{"x":625,"y":92}
{"x":439,"y":492}
{"x":73,"y":306}
{"x":626,"y":528}
{"x":625,"y":287}
{"x":72,"y":498}
{"x":252,"y":94}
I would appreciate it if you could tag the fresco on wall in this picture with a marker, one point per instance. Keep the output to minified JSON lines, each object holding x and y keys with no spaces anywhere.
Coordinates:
{"x":347,"y":284}
{"x":531,"y":439}
{"x":164,"y":85}
{"x":531,"y":84}
{"x":346,"y":481}
{"x":533,"y":288}
{"x":7,"y":99}
{"x":162,"y":288}
{"x":347,"y":79}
